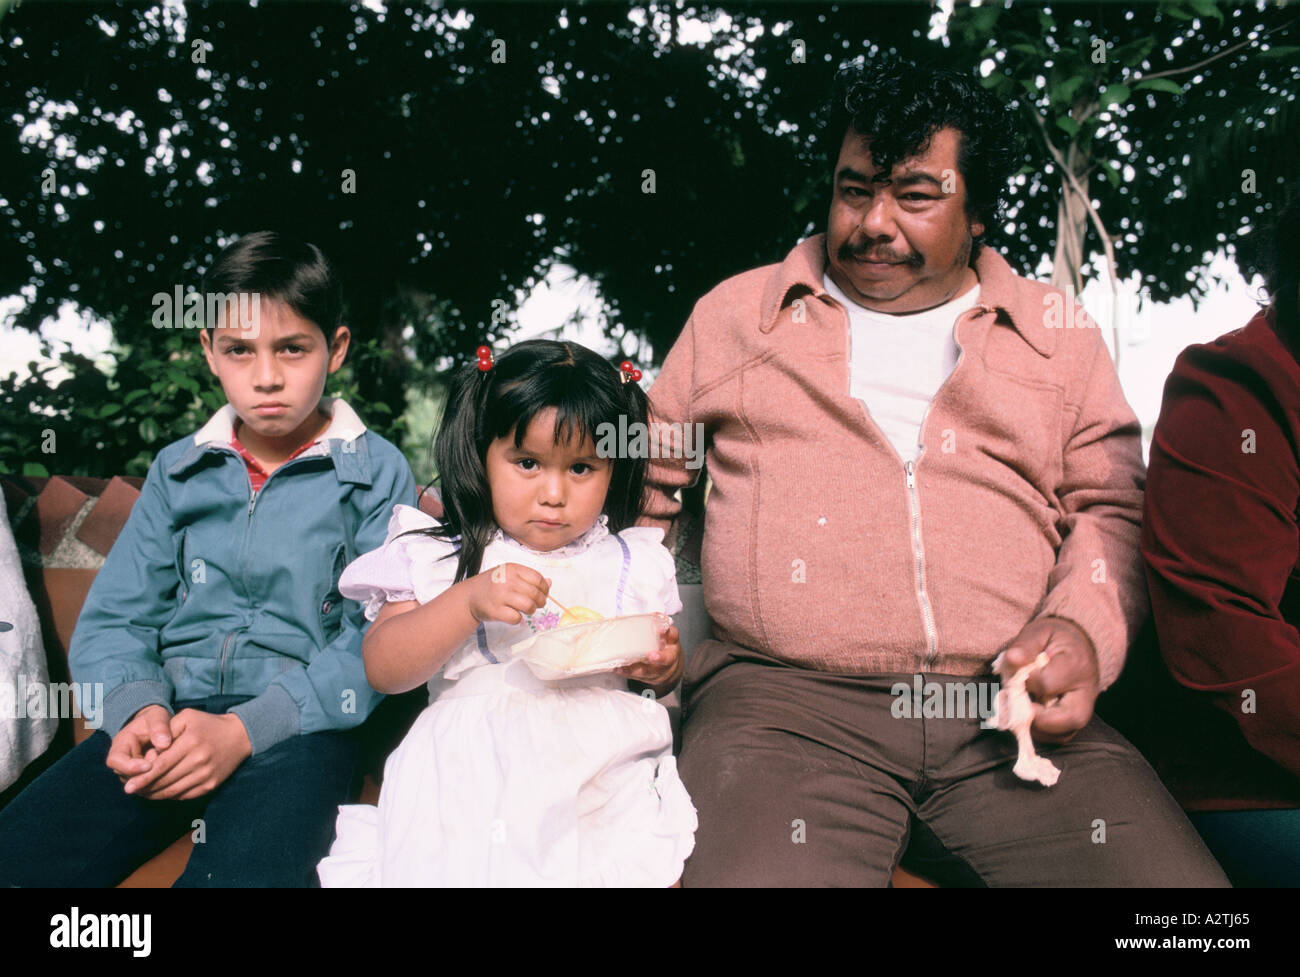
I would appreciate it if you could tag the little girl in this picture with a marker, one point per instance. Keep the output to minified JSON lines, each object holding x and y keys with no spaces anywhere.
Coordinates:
{"x":505,"y":779}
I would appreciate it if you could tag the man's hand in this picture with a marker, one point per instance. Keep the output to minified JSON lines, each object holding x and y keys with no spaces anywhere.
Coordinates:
{"x":663,"y":668}
{"x":205,"y":750}
{"x":1066,"y":688}
{"x":149,"y":729}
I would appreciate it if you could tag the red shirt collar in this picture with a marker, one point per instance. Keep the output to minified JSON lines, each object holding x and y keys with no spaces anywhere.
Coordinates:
{"x":256,"y":473}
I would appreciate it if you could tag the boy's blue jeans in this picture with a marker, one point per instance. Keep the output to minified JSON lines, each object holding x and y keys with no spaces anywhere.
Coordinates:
{"x":267,"y":825}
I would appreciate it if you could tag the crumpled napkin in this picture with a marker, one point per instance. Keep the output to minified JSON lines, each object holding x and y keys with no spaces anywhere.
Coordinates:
{"x":1013,"y":710}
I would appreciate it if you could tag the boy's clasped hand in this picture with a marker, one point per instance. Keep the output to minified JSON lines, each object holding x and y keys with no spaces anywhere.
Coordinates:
{"x":159,"y":756}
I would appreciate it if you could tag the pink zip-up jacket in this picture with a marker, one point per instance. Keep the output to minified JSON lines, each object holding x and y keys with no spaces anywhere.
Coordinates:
{"x":823,"y":549}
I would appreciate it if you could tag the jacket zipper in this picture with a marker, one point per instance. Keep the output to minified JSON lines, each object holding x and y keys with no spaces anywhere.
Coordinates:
{"x":221,"y":674}
{"x":913,"y":498}
{"x":254,"y":495}
{"x":225,"y":645}
{"x":918,"y":552}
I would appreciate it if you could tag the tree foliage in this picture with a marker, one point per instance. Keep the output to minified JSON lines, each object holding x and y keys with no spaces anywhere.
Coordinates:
{"x":445,"y":158}
{"x":1176,"y":122}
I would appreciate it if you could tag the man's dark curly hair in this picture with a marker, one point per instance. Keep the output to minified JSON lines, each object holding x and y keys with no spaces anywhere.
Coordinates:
{"x":900,"y":105}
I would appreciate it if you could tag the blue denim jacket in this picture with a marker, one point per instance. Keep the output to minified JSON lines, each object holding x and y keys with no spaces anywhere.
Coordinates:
{"x":212,"y":590}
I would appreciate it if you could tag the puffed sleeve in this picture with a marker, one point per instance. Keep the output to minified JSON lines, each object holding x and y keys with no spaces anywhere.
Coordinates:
{"x":653,"y":578}
{"x":407,"y":567}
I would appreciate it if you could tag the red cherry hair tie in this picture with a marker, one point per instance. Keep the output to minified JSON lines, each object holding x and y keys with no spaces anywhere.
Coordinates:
{"x":485,"y":358}
{"x":629,"y":372}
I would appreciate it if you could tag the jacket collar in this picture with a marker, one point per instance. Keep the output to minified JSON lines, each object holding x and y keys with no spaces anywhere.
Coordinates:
{"x":1002,"y":291}
{"x":342,"y":439}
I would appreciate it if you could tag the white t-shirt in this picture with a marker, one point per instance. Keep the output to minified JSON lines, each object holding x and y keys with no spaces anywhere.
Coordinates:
{"x":897,"y":363}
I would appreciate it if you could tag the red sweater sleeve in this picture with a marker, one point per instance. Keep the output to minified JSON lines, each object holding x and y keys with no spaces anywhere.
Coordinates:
{"x":1220,"y":537}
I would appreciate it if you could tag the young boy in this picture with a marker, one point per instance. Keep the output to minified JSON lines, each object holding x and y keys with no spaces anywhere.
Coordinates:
{"x":231,"y":666}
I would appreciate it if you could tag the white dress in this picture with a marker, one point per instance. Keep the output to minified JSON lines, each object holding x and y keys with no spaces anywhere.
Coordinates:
{"x":505,"y":780}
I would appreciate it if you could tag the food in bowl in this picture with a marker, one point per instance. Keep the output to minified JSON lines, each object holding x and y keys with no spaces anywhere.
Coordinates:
{"x":600,"y":645}
{"x":579,"y":615}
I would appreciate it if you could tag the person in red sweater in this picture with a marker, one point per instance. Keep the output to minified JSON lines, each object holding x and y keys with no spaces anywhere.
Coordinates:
{"x":1221,"y":544}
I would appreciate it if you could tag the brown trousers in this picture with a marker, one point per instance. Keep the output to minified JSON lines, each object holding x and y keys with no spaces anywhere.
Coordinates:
{"x":806,"y":778}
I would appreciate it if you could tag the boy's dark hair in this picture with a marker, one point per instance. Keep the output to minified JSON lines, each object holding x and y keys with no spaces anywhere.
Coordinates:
{"x":586,"y":390}
{"x":279,"y":268}
{"x":900,"y":105}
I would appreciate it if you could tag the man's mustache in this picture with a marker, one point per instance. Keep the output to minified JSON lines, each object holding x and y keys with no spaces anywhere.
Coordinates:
{"x":847,"y":253}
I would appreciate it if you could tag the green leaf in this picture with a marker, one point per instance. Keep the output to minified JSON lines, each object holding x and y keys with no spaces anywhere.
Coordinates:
{"x":1280,"y":52}
{"x":1115,"y":95}
{"x":1207,"y":8}
{"x":34,"y":469}
{"x":1133,"y":53}
{"x":108,"y":410}
{"x":983,"y":19}
{"x":1160,"y":85}
{"x":1010,"y":37}
{"x":1063,"y":94}
{"x":1111,"y":169}
{"x":1031,"y":50}
{"x":1067,"y":124}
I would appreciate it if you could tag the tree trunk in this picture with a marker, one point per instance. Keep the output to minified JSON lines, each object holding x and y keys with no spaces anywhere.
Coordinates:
{"x":1071,"y":225}
{"x":1071,"y":238}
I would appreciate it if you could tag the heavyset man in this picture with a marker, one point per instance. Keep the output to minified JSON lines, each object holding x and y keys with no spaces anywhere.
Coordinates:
{"x":912,"y":470}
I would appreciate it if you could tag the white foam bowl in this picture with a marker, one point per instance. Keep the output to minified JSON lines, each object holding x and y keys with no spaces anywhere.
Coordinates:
{"x":595,"y":646}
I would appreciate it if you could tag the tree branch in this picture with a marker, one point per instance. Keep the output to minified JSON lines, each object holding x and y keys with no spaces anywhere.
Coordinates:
{"x":1074,"y":185}
{"x":1106,"y":243}
{"x":1210,"y":60}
